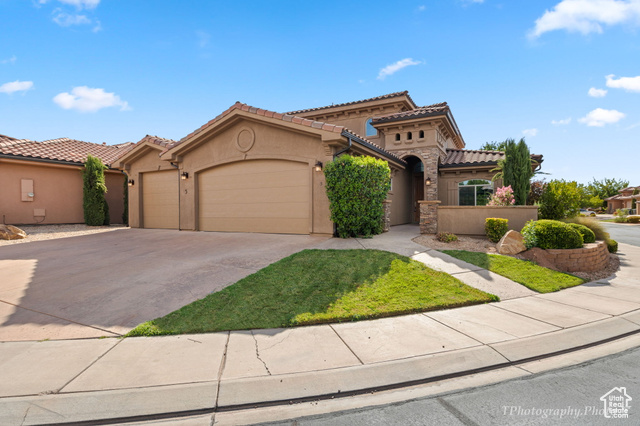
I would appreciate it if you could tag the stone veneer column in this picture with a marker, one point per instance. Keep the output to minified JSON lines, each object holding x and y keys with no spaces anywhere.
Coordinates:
{"x":429,"y":216}
{"x":386,"y":219}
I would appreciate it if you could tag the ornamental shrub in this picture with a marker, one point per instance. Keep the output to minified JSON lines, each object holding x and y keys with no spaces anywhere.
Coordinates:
{"x":502,"y":197}
{"x":612,"y":246}
{"x":357,"y":188}
{"x":588,"y":236}
{"x":551,"y":234}
{"x":633,"y":219}
{"x":96,"y":210}
{"x":495,"y":228}
{"x":560,"y":200}
{"x":593,"y":224}
{"x":446,"y":237}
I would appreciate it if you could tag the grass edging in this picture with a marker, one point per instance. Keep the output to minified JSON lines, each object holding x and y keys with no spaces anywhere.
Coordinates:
{"x":527,"y":273}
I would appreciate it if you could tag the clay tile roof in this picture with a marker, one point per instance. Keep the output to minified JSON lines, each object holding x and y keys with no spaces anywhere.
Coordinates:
{"x":435,"y":109}
{"x":375,"y":147}
{"x":470,"y":157}
{"x":377,"y":98}
{"x":61,"y":149}
{"x":463,"y":157}
{"x":262,"y":112}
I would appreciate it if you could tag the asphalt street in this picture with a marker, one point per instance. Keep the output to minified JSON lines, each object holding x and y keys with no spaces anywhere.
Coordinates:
{"x":623,"y":233}
{"x":568,"y":396}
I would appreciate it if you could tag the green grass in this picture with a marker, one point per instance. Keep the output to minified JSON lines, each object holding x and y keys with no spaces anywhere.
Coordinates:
{"x":320,"y":286}
{"x":537,"y":278}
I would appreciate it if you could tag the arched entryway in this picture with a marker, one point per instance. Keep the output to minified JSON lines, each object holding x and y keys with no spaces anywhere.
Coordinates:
{"x":415,"y":181}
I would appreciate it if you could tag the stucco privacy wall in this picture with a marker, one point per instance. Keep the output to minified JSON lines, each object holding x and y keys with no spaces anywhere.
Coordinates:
{"x":58,"y":206}
{"x":470,"y":220}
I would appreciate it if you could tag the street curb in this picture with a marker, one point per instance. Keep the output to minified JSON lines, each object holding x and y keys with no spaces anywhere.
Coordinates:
{"x":199,"y":398}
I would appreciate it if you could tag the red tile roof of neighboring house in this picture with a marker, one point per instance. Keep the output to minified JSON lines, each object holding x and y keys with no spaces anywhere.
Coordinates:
{"x":284,"y":117}
{"x":377,"y":98}
{"x":435,"y":109}
{"x":62,"y":149}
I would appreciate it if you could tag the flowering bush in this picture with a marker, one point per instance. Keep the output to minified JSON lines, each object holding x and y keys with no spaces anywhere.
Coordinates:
{"x":502,"y":197}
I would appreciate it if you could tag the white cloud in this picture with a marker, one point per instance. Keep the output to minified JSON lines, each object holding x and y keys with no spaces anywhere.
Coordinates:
{"x":394,"y":68}
{"x":530,"y":132}
{"x":597,"y":93}
{"x":16,"y":86}
{"x":86,"y":4}
{"x":66,"y":20}
{"x":422,"y":8}
{"x":86,"y":99}
{"x":599,"y":117}
{"x":561,"y":122}
{"x":12,"y":60}
{"x":630,"y":84}
{"x":587,"y":16}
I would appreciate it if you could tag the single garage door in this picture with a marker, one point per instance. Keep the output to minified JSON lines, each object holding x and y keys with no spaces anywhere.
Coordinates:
{"x":270,"y":196}
{"x":160,"y":199}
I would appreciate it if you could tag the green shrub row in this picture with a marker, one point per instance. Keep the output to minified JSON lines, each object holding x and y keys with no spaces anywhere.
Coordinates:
{"x":588,"y":236}
{"x":551,"y":234}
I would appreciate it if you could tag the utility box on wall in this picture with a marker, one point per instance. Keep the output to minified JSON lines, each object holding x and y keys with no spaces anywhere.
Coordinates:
{"x":26,"y":189}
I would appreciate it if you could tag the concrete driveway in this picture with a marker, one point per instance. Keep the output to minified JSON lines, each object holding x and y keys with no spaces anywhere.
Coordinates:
{"x":105,"y":284}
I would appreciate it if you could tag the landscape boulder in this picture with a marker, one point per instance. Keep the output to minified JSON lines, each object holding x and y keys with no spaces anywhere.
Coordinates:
{"x":511,"y":243}
{"x":8,"y":232}
{"x":540,"y":257}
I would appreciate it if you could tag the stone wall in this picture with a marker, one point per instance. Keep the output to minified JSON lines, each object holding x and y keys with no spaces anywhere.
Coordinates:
{"x":428,"y":217}
{"x":591,"y":257}
{"x":386,"y":220}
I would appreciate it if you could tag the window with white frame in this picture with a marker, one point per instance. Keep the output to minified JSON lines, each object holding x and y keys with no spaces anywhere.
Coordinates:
{"x":474,"y":192}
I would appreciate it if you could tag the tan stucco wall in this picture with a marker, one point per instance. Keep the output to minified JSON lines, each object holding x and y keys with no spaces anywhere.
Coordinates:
{"x":57,"y":189}
{"x":401,"y":198}
{"x":469,"y":220}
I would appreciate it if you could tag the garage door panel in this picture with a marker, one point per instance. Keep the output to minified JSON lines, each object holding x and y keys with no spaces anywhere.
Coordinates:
{"x":265,"y":225}
{"x":271,"y":196}
{"x":160,"y":199}
{"x":256,"y":195}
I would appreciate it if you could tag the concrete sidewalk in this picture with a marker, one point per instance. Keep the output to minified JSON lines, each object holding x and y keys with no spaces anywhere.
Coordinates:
{"x":90,"y":379}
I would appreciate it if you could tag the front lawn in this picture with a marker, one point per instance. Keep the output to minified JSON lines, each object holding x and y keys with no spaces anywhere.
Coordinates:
{"x":320,"y":286}
{"x":527,"y":273}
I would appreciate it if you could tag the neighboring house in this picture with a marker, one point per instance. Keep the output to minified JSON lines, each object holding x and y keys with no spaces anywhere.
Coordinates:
{"x":253,"y":170}
{"x":41,"y":182}
{"x":623,"y":200}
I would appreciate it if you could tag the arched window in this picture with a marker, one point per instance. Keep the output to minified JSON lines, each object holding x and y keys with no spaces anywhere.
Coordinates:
{"x":409,"y":136}
{"x":397,"y":136}
{"x":474,"y":192}
{"x":421,"y":134}
{"x":370,"y":130}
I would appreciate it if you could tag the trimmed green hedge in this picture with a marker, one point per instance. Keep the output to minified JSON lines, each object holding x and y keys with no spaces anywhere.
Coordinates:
{"x":612,"y":246}
{"x":495,"y":228}
{"x":96,"y":209}
{"x":551,"y":234}
{"x":357,"y":188}
{"x":588,"y":236}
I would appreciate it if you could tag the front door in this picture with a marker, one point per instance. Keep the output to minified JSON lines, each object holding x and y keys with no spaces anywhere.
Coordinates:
{"x":418,"y":195}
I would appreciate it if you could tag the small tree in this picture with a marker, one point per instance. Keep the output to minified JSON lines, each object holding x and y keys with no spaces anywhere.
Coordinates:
{"x":96,"y":210}
{"x":535,"y":192}
{"x":517,"y":170}
{"x":357,"y":188}
{"x":560,"y":200}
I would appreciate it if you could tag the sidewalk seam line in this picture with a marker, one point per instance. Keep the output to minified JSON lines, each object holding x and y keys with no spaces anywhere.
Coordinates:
{"x":89,"y":366}
{"x":613,"y":299}
{"x":537,"y":319}
{"x":345,"y":343}
{"x":223,"y":364}
{"x":448,"y":326}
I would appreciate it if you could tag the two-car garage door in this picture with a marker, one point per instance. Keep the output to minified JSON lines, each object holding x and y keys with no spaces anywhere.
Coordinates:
{"x":270,"y":196}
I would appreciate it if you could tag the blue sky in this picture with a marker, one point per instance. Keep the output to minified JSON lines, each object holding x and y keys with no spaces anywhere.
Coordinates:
{"x":564,"y":74}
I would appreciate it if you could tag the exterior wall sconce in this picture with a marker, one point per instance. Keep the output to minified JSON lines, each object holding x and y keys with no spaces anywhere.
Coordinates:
{"x":130,"y":182}
{"x":427,"y":181}
{"x":184,"y":175}
{"x":318,"y":166}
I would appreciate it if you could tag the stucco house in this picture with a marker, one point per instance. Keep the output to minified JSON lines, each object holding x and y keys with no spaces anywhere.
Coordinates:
{"x":623,"y":200}
{"x":254,"y":170}
{"x":41,"y":182}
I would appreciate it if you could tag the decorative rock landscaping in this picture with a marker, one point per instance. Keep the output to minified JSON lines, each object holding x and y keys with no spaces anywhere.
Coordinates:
{"x":592,"y":257}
